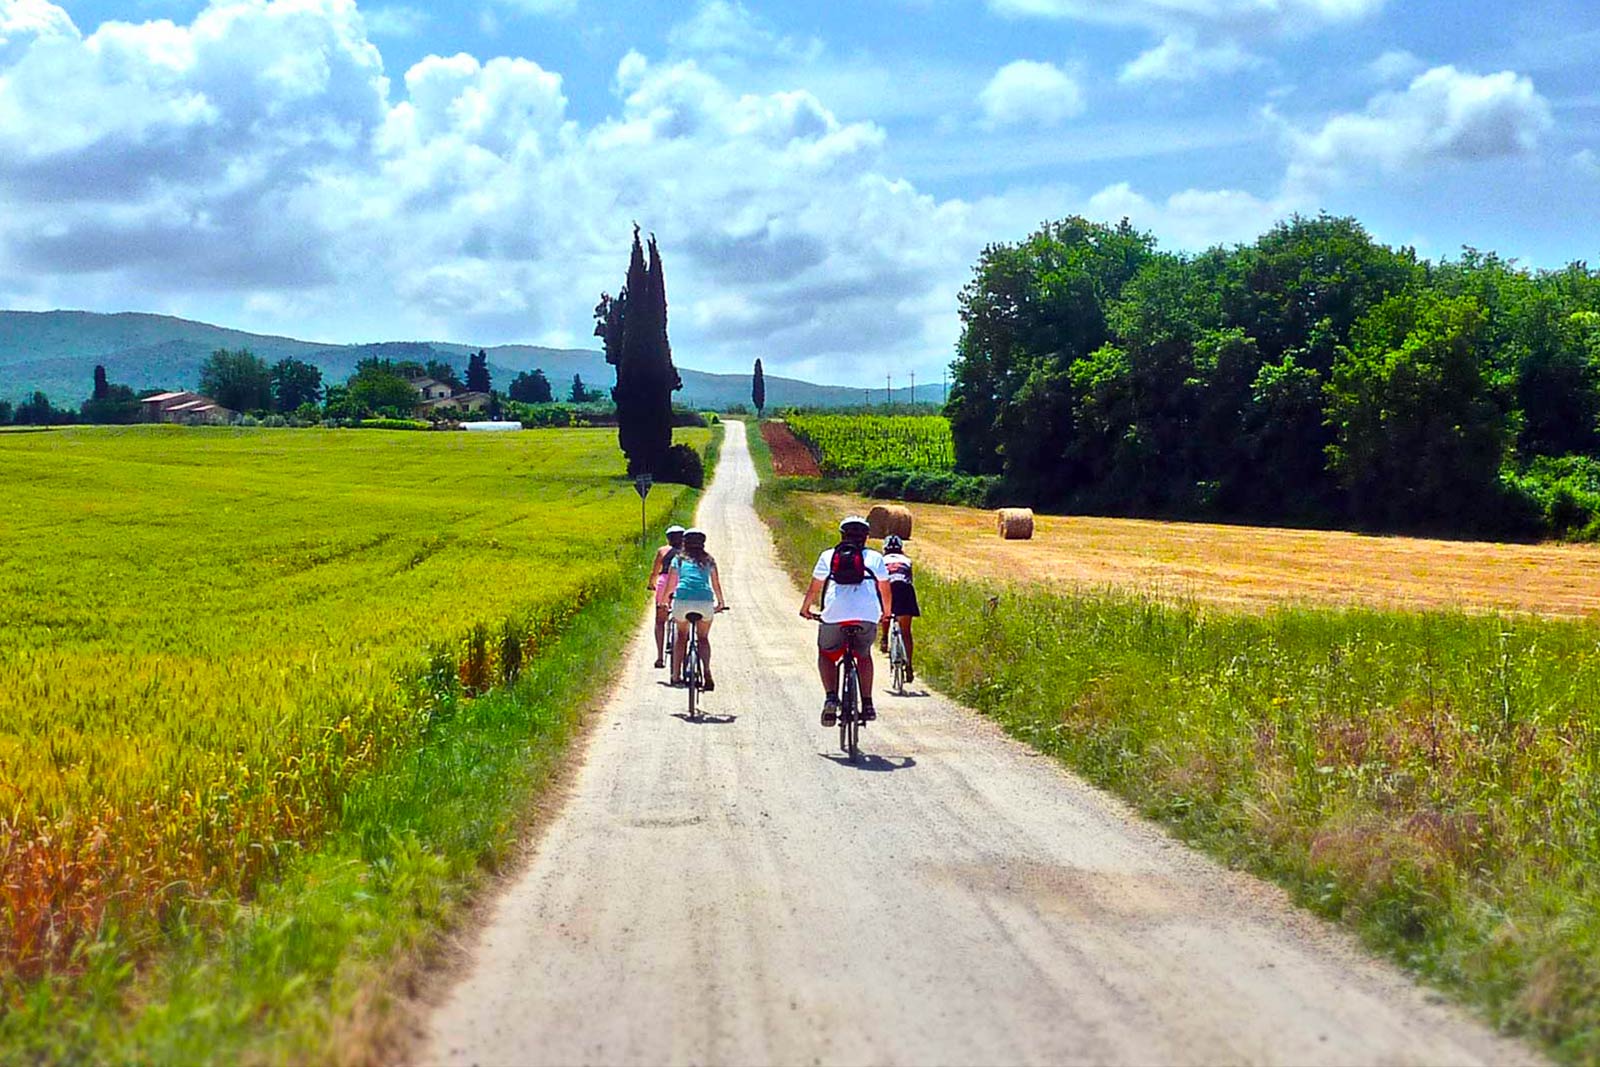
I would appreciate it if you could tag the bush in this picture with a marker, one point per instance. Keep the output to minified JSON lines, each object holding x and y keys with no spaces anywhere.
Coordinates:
{"x":711,"y":418}
{"x":1560,"y":495}
{"x":395,"y":424}
{"x":276,"y":422}
{"x":687,"y":418}
{"x":683,"y":466}
{"x":932,"y":487}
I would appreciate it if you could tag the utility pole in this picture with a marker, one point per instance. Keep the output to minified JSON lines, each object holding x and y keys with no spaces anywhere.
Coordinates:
{"x":913,"y":390}
{"x":888,"y":390}
{"x":944,"y":377}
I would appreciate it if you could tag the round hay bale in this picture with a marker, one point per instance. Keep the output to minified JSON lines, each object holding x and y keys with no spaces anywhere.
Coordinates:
{"x":1016,"y":524}
{"x":886,"y":519}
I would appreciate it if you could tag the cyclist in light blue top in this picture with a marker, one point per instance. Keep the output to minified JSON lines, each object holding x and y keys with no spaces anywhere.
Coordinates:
{"x":694,"y":587}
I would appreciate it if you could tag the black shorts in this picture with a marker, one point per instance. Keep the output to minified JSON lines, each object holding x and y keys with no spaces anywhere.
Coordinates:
{"x":903,"y":599}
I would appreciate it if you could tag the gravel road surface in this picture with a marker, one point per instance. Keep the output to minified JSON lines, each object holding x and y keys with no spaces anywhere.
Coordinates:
{"x":732,"y":891}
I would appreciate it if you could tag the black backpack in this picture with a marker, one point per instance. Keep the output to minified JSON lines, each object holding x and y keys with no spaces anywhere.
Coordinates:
{"x":849,"y":566}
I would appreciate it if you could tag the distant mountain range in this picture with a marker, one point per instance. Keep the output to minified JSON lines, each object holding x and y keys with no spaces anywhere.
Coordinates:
{"x":56,"y":352}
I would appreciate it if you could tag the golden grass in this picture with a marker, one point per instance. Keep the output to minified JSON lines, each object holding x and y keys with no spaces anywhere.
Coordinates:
{"x":1249,"y":567}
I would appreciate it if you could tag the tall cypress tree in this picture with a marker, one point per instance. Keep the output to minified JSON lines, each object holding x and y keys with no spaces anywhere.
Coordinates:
{"x":101,"y":386}
{"x":758,"y":389}
{"x":633,"y":327}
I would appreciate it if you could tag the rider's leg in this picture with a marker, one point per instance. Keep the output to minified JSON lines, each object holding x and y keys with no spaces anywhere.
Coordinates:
{"x":661,"y":632}
{"x":864,"y":672}
{"x":883,"y":636}
{"x":679,"y":667}
{"x":704,"y":627}
{"x":905,"y":638}
{"x":830,"y":674}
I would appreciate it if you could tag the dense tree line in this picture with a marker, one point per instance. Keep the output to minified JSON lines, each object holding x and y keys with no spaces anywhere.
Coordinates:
{"x":1313,"y":376}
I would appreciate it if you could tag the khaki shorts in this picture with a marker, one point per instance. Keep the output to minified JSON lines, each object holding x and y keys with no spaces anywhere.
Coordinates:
{"x":831,"y":638}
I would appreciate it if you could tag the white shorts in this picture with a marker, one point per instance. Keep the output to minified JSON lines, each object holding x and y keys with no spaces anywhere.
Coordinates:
{"x":681,"y":608}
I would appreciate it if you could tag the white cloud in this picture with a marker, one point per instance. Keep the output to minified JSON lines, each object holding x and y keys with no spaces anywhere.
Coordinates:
{"x":395,"y":20}
{"x":1444,"y":116}
{"x":256,"y":166}
{"x":541,"y":7}
{"x":1181,"y":58}
{"x":1230,"y":16}
{"x":1587,"y":163}
{"x":1397,"y":64}
{"x":1193,"y":219}
{"x":1032,"y":93}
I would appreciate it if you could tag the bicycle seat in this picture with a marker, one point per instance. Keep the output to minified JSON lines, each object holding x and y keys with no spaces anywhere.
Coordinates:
{"x":852,"y":627}
{"x":693,"y":616}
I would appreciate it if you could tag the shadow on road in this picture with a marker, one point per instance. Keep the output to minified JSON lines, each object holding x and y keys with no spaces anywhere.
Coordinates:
{"x":704,"y":720}
{"x":870,"y":762}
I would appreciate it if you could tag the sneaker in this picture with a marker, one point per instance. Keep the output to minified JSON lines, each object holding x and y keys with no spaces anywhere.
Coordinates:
{"x":660,"y":663}
{"x":868,"y":712}
{"x":830,"y":711}
{"x":709,"y":686}
{"x":911,"y":675}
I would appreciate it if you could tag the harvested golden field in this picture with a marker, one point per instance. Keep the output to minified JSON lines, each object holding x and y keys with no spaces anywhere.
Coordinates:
{"x":1254,"y":567}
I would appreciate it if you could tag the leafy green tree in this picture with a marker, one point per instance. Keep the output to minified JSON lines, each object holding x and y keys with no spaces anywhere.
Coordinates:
{"x":238,"y":380}
{"x":531,"y":388}
{"x":374,"y":391}
{"x":110,"y":404}
{"x":758,"y":389}
{"x":5,"y":412}
{"x":579,"y":394}
{"x":38,"y":411}
{"x":101,"y":386}
{"x":442,"y":370}
{"x":478,"y":372}
{"x":1421,"y":430}
{"x":295,"y":383}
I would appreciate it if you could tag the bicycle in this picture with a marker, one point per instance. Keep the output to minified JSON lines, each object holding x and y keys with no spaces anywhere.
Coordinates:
{"x":694,"y":668}
{"x":899,"y":663}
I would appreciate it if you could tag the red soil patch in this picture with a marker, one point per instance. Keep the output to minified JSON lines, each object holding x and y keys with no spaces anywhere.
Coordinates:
{"x":790,"y":458}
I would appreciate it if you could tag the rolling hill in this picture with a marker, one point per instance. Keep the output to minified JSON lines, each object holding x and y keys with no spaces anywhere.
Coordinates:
{"x":56,"y":351}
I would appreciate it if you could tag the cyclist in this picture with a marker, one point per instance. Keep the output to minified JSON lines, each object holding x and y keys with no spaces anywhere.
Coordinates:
{"x":693,"y":585}
{"x":854,"y":589}
{"x":658,"y":582}
{"x":902,"y":596}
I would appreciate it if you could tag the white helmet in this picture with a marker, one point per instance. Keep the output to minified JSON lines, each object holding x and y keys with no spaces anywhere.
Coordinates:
{"x":694,"y":531}
{"x":853,"y":520}
{"x":674,"y":529}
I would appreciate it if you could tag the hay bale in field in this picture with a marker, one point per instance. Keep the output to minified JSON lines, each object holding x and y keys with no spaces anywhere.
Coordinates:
{"x":1016,"y":524}
{"x":886,"y":519}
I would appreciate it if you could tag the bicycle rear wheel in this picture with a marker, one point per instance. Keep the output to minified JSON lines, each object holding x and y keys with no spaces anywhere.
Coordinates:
{"x":850,"y":712}
{"x":692,"y":670}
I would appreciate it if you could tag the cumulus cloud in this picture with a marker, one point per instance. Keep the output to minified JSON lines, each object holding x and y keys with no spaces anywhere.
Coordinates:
{"x":1181,"y":58}
{"x":1193,"y":218}
{"x":257,"y":166}
{"x":395,"y":20}
{"x":1031,"y":93}
{"x":1230,"y":16}
{"x":1397,"y":64}
{"x":1444,"y":116}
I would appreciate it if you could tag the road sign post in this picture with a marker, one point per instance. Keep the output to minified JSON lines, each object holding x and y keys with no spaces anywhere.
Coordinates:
{"x":642,"y":485}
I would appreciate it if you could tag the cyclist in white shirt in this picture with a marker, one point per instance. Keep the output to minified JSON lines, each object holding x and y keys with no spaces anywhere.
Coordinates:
{"x":853,"y":586}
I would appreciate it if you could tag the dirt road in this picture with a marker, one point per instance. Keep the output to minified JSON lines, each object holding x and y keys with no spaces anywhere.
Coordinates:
{"x":732,"y":892}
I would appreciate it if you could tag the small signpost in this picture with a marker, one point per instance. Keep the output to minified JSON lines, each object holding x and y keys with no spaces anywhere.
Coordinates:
{"x":642,"y":485}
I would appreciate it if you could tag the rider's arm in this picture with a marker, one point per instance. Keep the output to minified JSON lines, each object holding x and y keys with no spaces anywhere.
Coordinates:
{"x":885,"y":598}
{"x":716,"y":586}
{"x":811,"y":595}
{"x":672,"y":582}
{"x":655,"y":571}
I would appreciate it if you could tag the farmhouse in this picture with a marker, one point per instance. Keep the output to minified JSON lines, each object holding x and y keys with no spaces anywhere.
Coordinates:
{"x":432,"y":390}
{"x":184,"y":407}
{"x":458,"y":402}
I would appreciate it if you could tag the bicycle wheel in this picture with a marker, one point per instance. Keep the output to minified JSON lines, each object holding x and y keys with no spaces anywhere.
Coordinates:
{"x":849,"y":712}
{"x":692,"y":671}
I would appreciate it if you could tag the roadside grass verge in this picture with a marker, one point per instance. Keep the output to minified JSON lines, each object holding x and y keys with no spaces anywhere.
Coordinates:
{"x":1432,"y":780}
{"x":308,"y":967}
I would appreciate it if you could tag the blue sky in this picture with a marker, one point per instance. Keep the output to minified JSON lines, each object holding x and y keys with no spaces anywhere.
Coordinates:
{"x":821,"y":176}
